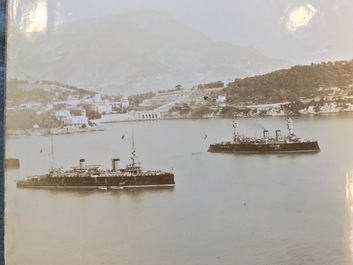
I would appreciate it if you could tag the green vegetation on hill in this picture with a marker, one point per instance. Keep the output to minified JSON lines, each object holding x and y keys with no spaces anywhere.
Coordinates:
{"x":211,"y":85}
{"x":44,"y":91}
{"x":303,"y":81}
{"x":314,"y":88}
{"x":135,"y":100}
{"x":25,"y":119}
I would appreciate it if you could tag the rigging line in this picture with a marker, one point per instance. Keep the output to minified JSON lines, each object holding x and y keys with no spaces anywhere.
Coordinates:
{"x":52,"y":148}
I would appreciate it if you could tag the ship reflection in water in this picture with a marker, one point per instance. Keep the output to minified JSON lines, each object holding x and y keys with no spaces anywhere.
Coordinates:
{"x":267,"y":144}
{"x":131,"y":192}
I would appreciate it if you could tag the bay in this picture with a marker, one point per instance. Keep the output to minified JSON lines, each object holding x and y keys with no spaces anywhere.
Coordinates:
{"x":224,"y":209}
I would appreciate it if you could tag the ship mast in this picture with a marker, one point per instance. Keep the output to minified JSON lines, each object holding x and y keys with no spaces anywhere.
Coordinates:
{"x":235,"y":126}
{"x":134,"y":167}
{"x":133,"y":153}
{"x":289,"y":125}
{"x":52,"y":152}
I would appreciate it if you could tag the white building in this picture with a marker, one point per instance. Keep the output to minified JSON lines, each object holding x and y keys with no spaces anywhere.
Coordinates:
{"x":49,"y":107}
{"x":105,"y":106}
{"x":72,"y":102}
{"x":30,"y":105}
{"x":104,"y":109}
{"x":130,"y":116}
{"x":97,"y":98}
{"x":75,"y":121}
{"x":148,"y":115}
{"x":221,"y":99}
{"x":62,"y":114}
{"x":125,"y":102}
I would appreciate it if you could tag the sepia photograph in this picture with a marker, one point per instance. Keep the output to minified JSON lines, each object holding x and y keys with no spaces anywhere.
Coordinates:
{"x":178,"y":132}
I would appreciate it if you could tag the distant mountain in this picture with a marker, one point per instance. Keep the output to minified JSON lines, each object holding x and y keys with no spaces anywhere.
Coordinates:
{"x":133,"y":52}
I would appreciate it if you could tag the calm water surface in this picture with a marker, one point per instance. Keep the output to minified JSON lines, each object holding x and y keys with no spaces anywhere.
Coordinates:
{"x":224,"y":209}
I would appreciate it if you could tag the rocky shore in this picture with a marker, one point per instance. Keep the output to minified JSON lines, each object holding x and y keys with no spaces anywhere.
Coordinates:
{"x":53,"y":131}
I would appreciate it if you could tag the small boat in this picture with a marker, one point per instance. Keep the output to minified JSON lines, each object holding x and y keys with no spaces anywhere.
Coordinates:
{"x":12,"y":163}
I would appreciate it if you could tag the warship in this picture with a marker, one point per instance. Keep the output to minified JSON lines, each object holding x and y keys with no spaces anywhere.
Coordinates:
{"x":92,"y":176}
{"x":266,"y":144}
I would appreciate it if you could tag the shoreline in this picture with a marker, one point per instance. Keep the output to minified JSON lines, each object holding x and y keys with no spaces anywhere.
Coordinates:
{"x":60,"y":131}
{"x":50,"y":131}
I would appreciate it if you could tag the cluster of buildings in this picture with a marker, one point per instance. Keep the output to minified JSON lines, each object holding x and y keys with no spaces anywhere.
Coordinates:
{"x":75,"y":115}
{"x":91,"y":110}
{"x":73,"y":112}
{"x":67,"y":119}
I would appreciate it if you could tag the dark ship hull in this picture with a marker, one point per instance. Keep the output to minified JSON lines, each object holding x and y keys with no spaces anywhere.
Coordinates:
{"x":265,"y":147}
{"x":267,"y":144}
{"x":107,"y":182}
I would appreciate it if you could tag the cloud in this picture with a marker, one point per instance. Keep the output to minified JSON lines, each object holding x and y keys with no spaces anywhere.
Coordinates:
{"x":299,"y":17}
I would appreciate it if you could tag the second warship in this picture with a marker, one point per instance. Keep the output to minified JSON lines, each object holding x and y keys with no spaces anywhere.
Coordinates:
{"x":267,"y":144}
{"x":91,"y":176}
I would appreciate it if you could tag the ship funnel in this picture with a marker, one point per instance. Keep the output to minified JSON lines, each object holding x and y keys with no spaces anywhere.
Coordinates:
{"x":115,"y":164}
{"x":82,"y":163}
{"x":266,"y":134}
{"x":278,"y":135}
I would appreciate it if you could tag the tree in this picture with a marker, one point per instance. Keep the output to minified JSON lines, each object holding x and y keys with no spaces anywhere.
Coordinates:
{"x":76,"y":112}
{"x":91,"y":114}
{"x":201,"y":111}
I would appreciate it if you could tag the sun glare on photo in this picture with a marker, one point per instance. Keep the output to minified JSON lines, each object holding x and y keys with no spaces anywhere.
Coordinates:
{"x":38,"y":18}
{"x":300,"y":17}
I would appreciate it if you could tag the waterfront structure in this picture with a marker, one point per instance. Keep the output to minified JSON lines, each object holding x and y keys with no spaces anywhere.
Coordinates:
{"x":145,"y":115}
{"x":75,"y":121}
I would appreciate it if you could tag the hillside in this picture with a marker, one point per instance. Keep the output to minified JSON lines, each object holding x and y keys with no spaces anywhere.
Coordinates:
{"x":304,"y":89}
{"x":21,"y":91}
{"x":298,"y":82}
{"x":134,"y":52}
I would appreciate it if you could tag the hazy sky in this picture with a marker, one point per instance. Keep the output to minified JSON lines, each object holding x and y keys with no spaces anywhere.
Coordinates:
{"x":298,"y":31}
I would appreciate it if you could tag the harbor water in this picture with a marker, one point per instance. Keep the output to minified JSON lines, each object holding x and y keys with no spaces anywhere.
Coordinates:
{"x":225,"y":208}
